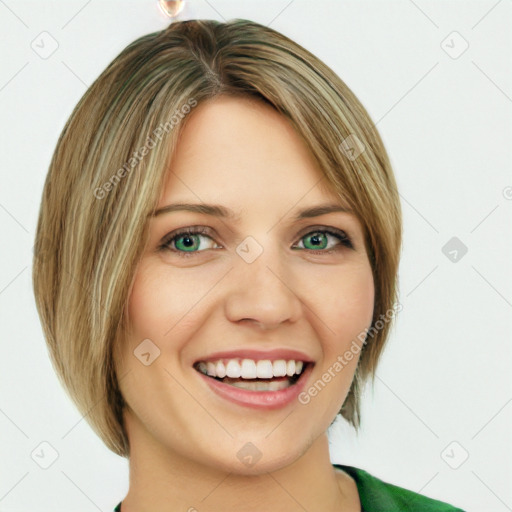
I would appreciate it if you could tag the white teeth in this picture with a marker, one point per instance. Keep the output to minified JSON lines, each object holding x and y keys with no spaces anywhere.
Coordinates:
{"x":220,"y":370}
{"x":250,"y":369}
{"x":210,"y":369}
{"x":279,"y":368}
{"x":264,"y":369}
{"x":259,"y":385}
{"x":233,"y":369}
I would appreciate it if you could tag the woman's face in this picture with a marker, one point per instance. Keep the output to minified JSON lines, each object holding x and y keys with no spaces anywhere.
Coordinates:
{"x":249,"y":283}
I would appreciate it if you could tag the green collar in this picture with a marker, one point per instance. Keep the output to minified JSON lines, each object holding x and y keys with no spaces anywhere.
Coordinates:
{"x":379,"y":496}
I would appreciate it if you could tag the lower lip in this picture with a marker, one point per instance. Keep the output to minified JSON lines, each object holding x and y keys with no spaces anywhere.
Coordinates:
{"x":259,"y":399}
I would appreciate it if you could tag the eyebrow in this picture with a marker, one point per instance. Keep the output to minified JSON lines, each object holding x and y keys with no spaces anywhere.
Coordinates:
{"x":217,"y":210}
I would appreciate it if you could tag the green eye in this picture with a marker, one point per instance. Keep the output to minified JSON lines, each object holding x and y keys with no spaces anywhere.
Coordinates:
{"x":319,"y":240}
{"x":190,"y":242}
{"x":187,"y":241}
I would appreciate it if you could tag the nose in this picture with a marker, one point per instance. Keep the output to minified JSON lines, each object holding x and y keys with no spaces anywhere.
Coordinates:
{"x":262,"y":292}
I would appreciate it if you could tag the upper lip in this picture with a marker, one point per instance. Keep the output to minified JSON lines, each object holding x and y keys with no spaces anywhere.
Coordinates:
{"x":258,"y":355}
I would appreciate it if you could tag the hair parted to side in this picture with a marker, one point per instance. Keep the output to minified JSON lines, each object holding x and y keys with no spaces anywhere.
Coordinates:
{"x":109,"y":168}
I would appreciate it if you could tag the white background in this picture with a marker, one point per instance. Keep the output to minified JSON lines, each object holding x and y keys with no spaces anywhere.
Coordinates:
{"x":446,"y":122}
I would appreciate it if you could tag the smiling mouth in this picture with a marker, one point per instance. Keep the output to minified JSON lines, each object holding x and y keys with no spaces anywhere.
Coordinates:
{"x":252,"y":375}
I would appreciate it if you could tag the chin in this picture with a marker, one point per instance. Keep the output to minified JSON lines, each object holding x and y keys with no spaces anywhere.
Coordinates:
{"x":258,"y":457}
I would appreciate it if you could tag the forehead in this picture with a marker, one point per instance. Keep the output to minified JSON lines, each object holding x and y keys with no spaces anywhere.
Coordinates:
{"x":242,"y":152}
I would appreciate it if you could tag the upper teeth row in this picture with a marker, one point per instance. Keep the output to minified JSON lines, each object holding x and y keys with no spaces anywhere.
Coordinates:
{"x":250,"y":369}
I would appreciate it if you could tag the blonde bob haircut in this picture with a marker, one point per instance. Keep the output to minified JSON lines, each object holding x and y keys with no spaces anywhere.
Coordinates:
{"x":109,"y":168}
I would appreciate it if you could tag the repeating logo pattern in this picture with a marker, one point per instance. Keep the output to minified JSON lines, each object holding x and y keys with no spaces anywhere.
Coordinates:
{"x":465,"y":452}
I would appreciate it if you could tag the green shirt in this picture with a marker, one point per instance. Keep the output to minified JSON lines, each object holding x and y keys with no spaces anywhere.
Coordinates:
{"x":379,"y":496}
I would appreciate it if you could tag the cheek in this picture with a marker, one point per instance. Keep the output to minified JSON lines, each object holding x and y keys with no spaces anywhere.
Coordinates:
{"x":159,"y":299}
{"x":149,"y":315}
{"x":343,"y":313}
{"x":145,"y":303}
{"x":345,"y":303}
{"x":167,"y":307}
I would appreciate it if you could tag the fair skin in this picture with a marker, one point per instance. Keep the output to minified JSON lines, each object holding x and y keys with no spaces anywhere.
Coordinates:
{"x":184,"y":439}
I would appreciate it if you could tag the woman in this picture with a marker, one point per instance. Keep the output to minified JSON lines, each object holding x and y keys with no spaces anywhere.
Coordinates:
{"x":221,"y":231}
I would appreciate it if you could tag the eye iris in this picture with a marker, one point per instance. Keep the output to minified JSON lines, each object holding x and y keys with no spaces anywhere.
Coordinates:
{"x":192,"y":239}
{"x":316,"y":237}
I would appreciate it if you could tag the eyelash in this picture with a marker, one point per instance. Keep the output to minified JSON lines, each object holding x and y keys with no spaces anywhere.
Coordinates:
{"x":171,"y":237}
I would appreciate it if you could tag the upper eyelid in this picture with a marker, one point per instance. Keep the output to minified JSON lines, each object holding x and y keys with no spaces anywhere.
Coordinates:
{"x":210,"y":232}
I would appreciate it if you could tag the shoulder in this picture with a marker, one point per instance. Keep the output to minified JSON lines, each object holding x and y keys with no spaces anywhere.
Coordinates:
{"x":377,"y":495}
